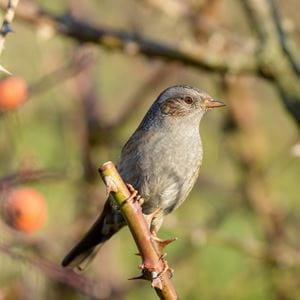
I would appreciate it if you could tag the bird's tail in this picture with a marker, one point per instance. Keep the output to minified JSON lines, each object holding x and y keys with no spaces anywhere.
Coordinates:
{"x":81,"y":261}
{"x":109,"y":222}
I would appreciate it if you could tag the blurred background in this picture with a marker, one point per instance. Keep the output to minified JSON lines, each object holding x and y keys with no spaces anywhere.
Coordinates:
{"x":87,"y":71}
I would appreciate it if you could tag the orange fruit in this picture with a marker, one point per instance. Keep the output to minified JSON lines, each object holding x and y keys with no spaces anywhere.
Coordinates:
{"x":25,"y":209}
{"x":13,"y":92}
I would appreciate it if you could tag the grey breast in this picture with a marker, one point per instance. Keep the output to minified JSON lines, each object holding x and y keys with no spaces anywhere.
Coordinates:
{"x":162,"y":165}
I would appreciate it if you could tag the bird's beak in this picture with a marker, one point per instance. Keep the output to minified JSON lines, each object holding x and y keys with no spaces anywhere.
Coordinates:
{"x":211,"y":103}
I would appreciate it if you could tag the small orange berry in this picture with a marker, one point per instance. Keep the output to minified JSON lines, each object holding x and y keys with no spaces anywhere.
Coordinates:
{"x":13,"y":92}
{"x":25,"y":209}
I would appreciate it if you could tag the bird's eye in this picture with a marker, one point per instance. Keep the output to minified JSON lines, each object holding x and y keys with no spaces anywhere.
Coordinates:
{"x":188,"y":100}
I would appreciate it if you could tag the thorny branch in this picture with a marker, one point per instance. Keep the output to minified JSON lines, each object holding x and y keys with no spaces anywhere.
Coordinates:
{"x":273,"y":61}
{"x":154,"y":266}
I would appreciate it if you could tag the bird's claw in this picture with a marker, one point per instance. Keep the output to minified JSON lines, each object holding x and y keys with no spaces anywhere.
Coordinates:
{"x":134,"y":197}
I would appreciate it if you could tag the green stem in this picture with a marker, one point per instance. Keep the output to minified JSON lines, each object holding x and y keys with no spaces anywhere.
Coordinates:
{"x":153,"y":267}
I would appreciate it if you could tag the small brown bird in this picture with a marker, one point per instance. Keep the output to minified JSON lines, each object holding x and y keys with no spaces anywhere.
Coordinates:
{"x":161,"y":160}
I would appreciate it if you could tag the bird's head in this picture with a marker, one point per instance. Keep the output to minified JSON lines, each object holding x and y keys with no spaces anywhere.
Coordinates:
{"x":177,"y":104}
{"x":182,"y":100}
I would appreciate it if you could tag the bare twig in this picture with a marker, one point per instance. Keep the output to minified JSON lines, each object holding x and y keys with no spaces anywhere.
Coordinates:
{"x":25,"y":176}
{"x":78,"y":63}
{"x":155,"y":78}
{"x":282,"y":36}
{"x":271,"y":62}
{"x":132,"y":43}
{"x":5,"y":28}
{"x":250,"y":153}
{"x":55,"y":272}
{"x":154,"y":267}
{"x":273,"y":57}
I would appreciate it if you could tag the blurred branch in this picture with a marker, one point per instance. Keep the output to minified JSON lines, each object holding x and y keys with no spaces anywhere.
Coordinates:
{"x":282,"y":36}
{"x":250,"y":154}
{"x":25,"y":176}
{"x":80,"y":60}
{"x":274,"y":57}
{"x":55,"y":272}
{"x":172,"y":8}
{"x":248,"y":144}
{"x":155,"y":78}
{"x":97,"y":129}
{"x":91,"y":127}
{"x":154,"y":266}
{"x":198,"y":14}
{"x":271,"y":63}
{"x":133,"y":44}
{"x":5,"y":28}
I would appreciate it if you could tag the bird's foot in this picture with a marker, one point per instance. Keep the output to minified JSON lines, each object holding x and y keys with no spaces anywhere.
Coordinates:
{"x":150,"y":217}
{"x":134,"y":197}
{"x":159,"y":243}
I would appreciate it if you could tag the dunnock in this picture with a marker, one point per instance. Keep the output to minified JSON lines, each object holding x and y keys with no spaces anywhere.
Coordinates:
{"x":161,"y":160}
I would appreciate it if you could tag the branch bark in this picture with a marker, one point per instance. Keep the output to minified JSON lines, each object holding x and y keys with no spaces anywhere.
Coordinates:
{"x":154,"y":267}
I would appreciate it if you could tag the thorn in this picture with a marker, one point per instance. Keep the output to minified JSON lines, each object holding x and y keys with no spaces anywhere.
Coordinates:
{"x":138,"y":254}
{"x":162,"y":244}
{"x":138,"y":277}
{"x":4,"y":70}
